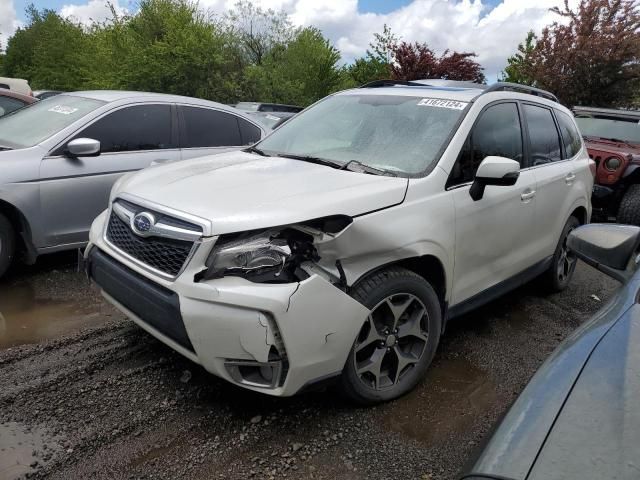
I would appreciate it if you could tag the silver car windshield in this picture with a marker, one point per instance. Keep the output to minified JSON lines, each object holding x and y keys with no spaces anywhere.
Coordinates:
{"x":31,"y":125}
{"x":390,"y":132}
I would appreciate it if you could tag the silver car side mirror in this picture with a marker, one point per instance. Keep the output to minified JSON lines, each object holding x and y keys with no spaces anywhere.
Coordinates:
{"x":494,"y":171}
{"x":83,"y":147}
{"x":610,"y":248}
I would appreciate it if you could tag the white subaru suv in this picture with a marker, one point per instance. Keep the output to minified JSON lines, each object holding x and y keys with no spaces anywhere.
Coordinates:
{"x":339,"y":246}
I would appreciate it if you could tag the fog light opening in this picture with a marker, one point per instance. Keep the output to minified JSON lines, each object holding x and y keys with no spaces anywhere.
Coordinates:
{"x":255,"y":374}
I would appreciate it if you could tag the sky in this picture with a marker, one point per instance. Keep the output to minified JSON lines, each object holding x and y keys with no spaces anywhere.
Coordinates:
{"x":490,"y":28}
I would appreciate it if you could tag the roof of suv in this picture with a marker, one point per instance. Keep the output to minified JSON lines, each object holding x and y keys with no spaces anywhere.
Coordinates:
{"x":631,"y":114}
{"x":459,"y":90}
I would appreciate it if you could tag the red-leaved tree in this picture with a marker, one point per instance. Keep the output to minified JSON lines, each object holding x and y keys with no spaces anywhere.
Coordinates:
{"x":414,"y":61}
{"x":592,"y":57}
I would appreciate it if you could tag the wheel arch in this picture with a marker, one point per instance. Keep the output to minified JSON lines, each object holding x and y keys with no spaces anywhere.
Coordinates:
{"x":427,"y":266}
{"x":581,"y":214}
{"x":21,"y":226}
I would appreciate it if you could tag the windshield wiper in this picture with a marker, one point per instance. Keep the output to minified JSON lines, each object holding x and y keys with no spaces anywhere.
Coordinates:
{"x":310,"y":159}
{"x":356,"y":166}
{"x":256,"y":150}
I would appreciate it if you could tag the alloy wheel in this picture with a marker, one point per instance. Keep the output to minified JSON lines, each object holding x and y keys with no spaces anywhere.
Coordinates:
{"x":392,"y":341}
{"x":566,"y":261}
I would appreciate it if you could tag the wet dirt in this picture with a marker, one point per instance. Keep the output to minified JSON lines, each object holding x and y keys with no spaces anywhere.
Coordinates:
{"x":22,"y":449}
{"x":112,"y":396}
{"x":54,"y":301}
{"x":446,"y":403}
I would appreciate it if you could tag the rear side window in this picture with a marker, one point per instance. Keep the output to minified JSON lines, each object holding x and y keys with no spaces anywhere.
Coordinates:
{"x":497,"y":132}
{"x":130,"y":129}
{"x":570,"y":135}
{"x":543,"y":135}
{"x":204,"y":127}
{"x":8,"y":105}
{"x":249,"y":132}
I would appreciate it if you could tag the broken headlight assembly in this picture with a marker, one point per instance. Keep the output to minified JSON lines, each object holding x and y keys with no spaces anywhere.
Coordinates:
{"x":268,"y":257}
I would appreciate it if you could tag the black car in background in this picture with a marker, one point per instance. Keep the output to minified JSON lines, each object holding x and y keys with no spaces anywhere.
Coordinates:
{"x":579,"y":417}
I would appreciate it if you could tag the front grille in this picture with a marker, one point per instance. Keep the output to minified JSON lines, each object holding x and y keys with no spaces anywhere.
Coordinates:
{"x":163,"y":254}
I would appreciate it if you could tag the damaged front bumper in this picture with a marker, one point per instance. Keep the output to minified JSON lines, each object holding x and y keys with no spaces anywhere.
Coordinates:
{"x":273,"y":338}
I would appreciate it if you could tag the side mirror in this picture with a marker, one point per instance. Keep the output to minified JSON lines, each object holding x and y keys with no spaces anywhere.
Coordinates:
{"x":608,"y":247}
{"x":83,"y":147}
{"x":494,"y":171}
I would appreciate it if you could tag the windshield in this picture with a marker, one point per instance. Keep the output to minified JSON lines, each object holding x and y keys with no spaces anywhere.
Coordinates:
{"x":31,"y":125}
{"x":627,"y":130}
{"x":389,"y":132}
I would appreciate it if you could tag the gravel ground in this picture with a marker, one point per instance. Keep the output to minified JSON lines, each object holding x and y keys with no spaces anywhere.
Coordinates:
{"x":87,"y":394}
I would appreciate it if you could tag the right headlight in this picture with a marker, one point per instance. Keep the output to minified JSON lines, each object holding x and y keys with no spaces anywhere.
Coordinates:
{"x":260,"y":252}
{"x":612,"y":163}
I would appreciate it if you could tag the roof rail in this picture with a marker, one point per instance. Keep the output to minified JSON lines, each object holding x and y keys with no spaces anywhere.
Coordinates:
{"x":516,"y":87}
{"x":391,"y":83}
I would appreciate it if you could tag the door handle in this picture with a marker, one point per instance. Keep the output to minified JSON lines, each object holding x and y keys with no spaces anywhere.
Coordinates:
{"x":527,"y":195}
{"x":570,"y":178}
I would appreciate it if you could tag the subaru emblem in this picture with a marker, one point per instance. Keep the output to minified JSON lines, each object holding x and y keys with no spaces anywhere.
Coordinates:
{"x":142,"y":223}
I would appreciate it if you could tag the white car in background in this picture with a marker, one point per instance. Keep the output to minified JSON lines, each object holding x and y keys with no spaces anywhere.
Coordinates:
{"x":340,"y":245}
{"x":18,"y":85}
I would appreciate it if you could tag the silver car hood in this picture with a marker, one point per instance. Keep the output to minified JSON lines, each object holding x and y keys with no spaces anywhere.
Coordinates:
{"x":239,"y":191}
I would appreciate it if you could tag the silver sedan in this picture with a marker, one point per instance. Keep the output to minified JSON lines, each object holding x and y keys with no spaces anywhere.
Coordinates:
{"x":60,"y":157}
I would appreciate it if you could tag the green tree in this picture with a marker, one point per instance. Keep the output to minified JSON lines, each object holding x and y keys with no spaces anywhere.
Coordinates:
{"x":301,"y":72}
{"x":516,"y":69}
{"x":376,"y":63}
{"x":50,"y":51}
{"x":258,"y":31}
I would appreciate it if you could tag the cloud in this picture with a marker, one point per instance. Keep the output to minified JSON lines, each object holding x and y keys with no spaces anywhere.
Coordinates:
{"x":463,"y":25}
{"x":8,"y":21}
{"x":93,"y":11}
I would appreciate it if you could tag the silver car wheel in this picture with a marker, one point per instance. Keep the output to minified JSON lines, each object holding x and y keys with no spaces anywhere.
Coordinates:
{"x":392,"y":341}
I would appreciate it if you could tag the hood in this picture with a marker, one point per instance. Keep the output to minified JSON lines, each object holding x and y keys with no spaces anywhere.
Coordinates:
{"x":597,"y":434}
{"x":239,"y":191}
{"x":609,"y":146}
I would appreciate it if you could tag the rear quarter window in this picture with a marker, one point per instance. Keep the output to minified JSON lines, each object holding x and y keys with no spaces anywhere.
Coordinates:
{"x":571,"y":137}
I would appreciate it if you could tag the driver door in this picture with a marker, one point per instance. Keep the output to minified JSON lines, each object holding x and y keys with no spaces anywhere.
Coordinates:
{"x":493,"y":234}
{"x":74,"y":190}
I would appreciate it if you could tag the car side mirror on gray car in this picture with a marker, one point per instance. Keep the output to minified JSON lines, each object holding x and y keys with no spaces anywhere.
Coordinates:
{"x":494,"y":171}
{"x":610,"y":248}
{"x":83,"y":147}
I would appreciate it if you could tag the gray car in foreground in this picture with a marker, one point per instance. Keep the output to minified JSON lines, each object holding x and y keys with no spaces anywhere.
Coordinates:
{"x":579,"y":417}
{"x":60,"y":157}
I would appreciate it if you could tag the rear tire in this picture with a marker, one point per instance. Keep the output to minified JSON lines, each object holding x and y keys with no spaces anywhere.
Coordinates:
{"x":563,"y":264}
{"x":629,"y":209}
{"x":7,"y":244}
{"x":397,"y":341}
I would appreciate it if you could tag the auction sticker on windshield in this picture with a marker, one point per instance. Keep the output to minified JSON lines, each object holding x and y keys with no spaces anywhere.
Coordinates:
{"x":63,"y":110}
{"x":440,"y":103}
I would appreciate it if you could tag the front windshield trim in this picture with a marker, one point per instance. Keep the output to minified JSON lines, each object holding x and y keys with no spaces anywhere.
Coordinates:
{"x":396,"y":173}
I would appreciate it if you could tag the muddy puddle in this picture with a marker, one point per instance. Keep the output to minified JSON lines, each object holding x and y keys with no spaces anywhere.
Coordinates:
{"x":23,"y":449}
{"x":28,"y":315}
{"x":446,"y":403}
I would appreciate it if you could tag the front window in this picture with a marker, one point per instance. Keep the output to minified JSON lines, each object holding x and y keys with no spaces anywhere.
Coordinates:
{"x":609,"y":128}
{"x":395,"y":133}
{"x":29,"y":126}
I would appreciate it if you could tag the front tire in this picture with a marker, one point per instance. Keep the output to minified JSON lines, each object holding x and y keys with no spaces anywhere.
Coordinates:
{"x":629,"y":209}
{"x":563,"y":264}
{"x":7,"y":244}
{"x":397,"y":341}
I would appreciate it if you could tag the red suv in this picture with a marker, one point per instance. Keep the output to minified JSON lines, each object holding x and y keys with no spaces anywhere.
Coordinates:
{"x":613,"y":140}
